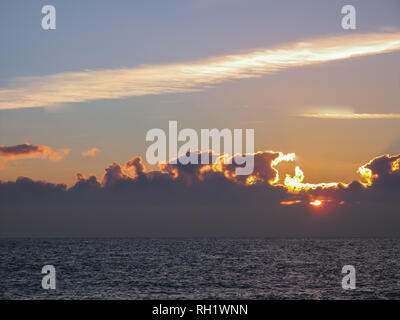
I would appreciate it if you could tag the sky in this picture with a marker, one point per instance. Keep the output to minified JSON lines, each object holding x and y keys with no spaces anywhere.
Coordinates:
{"x":80,"y":98}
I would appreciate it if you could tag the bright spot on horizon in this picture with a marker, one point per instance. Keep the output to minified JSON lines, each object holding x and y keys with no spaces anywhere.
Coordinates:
{"x":316,"y":203}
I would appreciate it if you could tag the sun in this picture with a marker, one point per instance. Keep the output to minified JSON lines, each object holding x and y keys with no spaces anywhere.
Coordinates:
{"x":316,"y":203}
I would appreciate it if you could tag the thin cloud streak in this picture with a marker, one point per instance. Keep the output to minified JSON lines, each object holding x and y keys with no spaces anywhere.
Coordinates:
{"x":90,"y":153}
{"x":88,"y":85}
{"x":351,"y":115}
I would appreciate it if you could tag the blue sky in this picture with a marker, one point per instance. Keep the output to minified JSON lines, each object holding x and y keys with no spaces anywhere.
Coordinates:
{"x":104,"y":34}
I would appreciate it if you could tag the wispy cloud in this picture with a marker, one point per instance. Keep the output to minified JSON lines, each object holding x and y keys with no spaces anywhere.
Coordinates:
{"x":69,"y":87}
{"x":351,"y":115}
{"x":91,"y":152}
{"x":28,"y":151}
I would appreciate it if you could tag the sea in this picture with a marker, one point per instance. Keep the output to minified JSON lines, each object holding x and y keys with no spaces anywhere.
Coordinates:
{"x":199,"y":268}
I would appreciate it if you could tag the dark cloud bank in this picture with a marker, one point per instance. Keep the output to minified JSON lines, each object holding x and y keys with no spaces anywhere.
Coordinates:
{"x":192,"y":200}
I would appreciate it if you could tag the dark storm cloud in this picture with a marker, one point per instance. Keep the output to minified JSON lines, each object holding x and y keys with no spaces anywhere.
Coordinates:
{"x":198,"y":200}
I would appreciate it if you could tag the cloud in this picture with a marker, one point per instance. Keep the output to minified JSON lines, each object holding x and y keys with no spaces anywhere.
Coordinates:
{"x":90,"y":153}
{"x":351,"y":115}
{"x":382,"y":172}
{"x":88,"y":85}
{"x":203,"y":200}
{"x":27,"y":151}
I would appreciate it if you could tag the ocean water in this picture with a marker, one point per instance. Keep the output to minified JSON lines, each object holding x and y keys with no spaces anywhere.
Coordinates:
{"x":200,"y":268}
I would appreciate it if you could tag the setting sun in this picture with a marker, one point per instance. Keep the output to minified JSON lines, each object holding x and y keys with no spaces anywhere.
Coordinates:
{"x":316,"y":203}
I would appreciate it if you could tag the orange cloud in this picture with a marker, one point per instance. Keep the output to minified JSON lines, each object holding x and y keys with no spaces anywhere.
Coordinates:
{"x":91,"y":152}
{"x":27,"y":151}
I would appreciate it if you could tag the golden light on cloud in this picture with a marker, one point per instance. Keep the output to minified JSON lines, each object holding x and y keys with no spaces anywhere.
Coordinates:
{"x":367,"y":174}
{"x":251,"y":180}
{"x":385,"y":164}
{"x":396,"y":165}
{"x":282,"y":157}
{"x":296,"y":184}
{"x":289,"y":203}
{"x":88,"y":85}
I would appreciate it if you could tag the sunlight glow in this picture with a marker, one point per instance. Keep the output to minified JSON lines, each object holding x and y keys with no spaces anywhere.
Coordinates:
{"x":350,"y":116}
{"x":316,"y":203}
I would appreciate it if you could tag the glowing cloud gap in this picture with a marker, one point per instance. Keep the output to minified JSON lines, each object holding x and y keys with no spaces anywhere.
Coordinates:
{"x":296,"y":184}
{"x":88,"y":85}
